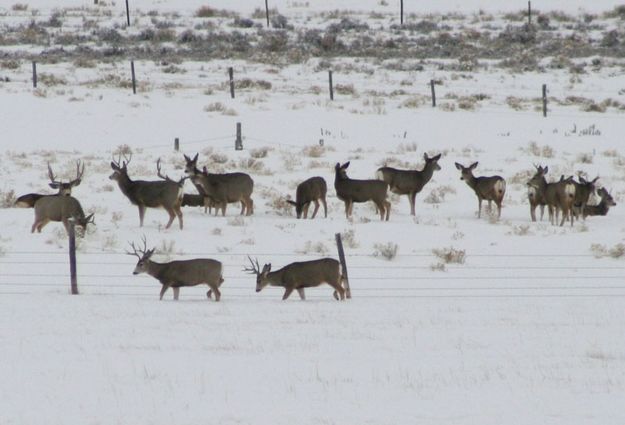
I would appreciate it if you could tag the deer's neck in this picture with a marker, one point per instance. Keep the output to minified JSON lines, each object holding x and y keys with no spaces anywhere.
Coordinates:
{"x":126,"y":185}
{"x":156,"y":269}
{"x":471,"y":181}
{"x":427,"y":173}
{"x":275,"y":278}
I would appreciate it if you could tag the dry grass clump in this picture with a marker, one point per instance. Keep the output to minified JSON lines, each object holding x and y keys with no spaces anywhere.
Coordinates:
{"x":219,"y":107}
{"x":438,"y":194}
{"x":387,"y":251}
{"x":520,"y":230}
{"x":259,"y":152}
{"x":450,"y":255}
{"x":601,"y":251}
{"x":314,"y":151}
{"x":7,"y":199}
{"x":314,"y":248}
{"x":534,"y":149}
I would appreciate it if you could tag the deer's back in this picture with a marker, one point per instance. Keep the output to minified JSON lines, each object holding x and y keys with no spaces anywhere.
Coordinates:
{"x":312,"y":188}
{"x":360,"y":190}
{"x":402,"y":182}
{"x":155,"y":193}
{"x":232,"y":186}
{"x":311,"y":273}
{"x":58,"y":207}
{"x":490,"y":187}
{"x":191,"y":272}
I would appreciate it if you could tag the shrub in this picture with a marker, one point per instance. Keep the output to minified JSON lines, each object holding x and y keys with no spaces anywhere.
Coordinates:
{"x":205,"y":12}
{"x":7,"y":199}
{"x":388,"y":251}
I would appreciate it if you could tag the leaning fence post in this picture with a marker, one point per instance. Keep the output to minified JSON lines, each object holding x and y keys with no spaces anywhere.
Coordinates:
{"x":544,"y":100}
{"x":529,"y":13}
{"x":339,"y":245}
{"x":433,"y":93}
{"x":238,"y":142}
{"x":34,"y":74}
{"x":330,"y":82}
{"x":267,"y":11}
{"x":134,"y":82}
{"x":72,"y":258}
{"x":231,"y":79}
{"x":401,"y":12}
{"x":127,"y":13}
{"x":176,"y":144}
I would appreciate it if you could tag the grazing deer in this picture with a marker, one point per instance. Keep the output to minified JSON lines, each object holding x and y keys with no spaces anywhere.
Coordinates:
{"x":603,"y":206}
{"x":221,"y":189}
{"x":59,"y":208}
{"x":489,"y":188}
{"x":176,"y":274}
{"x":312,"y":190}
{"x":65,"y":189}
{"x":536,"y":192}
{"x":557,"y":196}
{"x":300,"y":275}
{"x":350,"y":191}
{"x":583,"y":190}
{"x":409,"y":182}
{"x":165,"y":194}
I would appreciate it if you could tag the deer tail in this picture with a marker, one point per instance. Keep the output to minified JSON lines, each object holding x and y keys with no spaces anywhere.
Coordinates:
{"x":379,"y":175}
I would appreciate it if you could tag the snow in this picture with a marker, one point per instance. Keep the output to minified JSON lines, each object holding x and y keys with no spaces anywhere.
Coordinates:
{"x":528,"y":329}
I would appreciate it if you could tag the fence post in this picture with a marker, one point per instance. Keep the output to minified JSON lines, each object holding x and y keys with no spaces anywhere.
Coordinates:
{"x":433,"y":94}
{"x":331,"y":88}
{"x":401,"y":12}
{"x":231,"y":78}
{"x":132,"y":72}
{"x":72,"y":257}
{"x":529,"y":13}
{"x":339,"y":245}
{"x":34,"y":74}
{"x":127,"y":13}
{"x":544,"y":100}
{"x":267,"y":12}
{"x":176,"y":144}
{"x":238,"y":142}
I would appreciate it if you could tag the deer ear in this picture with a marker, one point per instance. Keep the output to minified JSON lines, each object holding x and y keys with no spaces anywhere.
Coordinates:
{"x":437,"y":157}
{"x":425,"y":156}
{"x":54,"y":185}
{"x":186,"y":158}
{"x":89,"y":219}
{"x":344,"y":166}
{"x":195,"y":157}
{"x":472,"y":166}
{"x":458,"y":166}
{"x":113,"y":166}
{"x":545,"y":170}
{"x":595,"y":179}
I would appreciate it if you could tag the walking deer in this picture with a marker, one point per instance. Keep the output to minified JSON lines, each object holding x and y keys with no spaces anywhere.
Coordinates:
{"x":558,"y":196}
{"x":65,"y":189}
{"x":489,"y":188}
{"x":221,"y":189}
{"x":603,"y":206}
{"x":176,"y":274}
{"x":351,"y":191}
{"x":312,"y":190}
{"x":59,"y":208}
{"x":165,"y":194}
{"x":409,"y":182}
{"x":536,"y":192}
{"x":583,"y":190}
{"x":300,"y":275}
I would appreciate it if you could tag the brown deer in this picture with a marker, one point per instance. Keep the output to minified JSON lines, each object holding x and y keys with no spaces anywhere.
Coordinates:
{"x":312,"y":190}
{"x":583,"y":190}
{"x":351,"y":191}
{"x":176,"y":274}
{"x":221,"y":189}
{"x":603,"y":206}
{"x":65,"y":189}
{"x":300,"y":275}
{"x":59,"y":208}
{"x":165,"y":194}
{"x":409,"y":182}
{"x":536,"y":192}
{"x":489,"y":188}
{"x":558,"y":196}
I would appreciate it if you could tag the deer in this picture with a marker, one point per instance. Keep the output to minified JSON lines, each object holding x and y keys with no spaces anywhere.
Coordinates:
{"x":311,"y":190}
{"x":221,"y":189}
{"x":300,"y":275}
{"x":165,"y":194}
{"x":536,"y":192}
{"x":352,"y":190}
{"x":64,"y":189}
{"x":489,"y":188}
{"x":409,"y":182}
{"x":557,"y":196}
{"x":602,"y":207}
{"x":59,"y":208}
{"x":179,"y":273}
{"x":583,"y":190}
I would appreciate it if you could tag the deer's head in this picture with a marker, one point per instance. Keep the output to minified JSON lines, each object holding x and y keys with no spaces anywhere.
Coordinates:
{"x":341,"y":170}
{"x":261,"y":275}
{"x":466,"y":173}
{"x":120,"y":169}
{"x":190,"y":167}
{"x":143,"y":255}
{"x":538,"y":178}
{"x":432,"y":161}
{"x":65,"y":188}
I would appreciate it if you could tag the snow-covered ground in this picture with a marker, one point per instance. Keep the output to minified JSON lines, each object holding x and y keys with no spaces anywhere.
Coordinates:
{"x":472,"y":321}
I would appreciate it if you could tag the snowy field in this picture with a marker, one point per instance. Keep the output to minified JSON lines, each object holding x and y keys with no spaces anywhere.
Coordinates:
{"x":453,"y":320}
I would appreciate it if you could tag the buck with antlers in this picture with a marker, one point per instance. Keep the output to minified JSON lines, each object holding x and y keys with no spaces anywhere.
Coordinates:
{"x":165,"y":194}
{"x":300,"y":275}
{"x":409,"y":182}
{"x":351,"y":191}
{"x":176,"y":274}
{"x":59,"y":208}
{"x":489,"y":188}
{"x":222,"y":189}
{"x":64,"y":189}
{"x":311,"y":190}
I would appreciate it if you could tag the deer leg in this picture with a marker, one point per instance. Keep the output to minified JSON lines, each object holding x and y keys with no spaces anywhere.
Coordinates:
{"x":287,"y":293}
{"x":243,"y":207}
{"x":346,"y":209}
{"x":498,"y":203}
{"x":41,"y":224}
{"x":542,"y":212}
{"x":141,"y":214}
{"x":533,"y":211}
{"x":305,"y":210}
{"x":479,"y":207}
{"x":301,"y":293}
{"x":163,"y":290}
{"x":209,"y":293}
{"x":217,"y":293}
{"x":387,"y":208}
{"x":178,"y":212}
{"x":176,"y":293}
{"x":250,"y":206}
{"x":32,"y":229}
{"x":325,"y":207}
{"x":412,"y":197}
{"x":172,"y":215}
{"x":316,"y":208}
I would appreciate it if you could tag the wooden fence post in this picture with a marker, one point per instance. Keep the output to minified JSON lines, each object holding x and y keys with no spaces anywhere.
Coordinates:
{"x":127,"y":13}
{"x":134,"y":81}
{"x":72,"y":257}
{"x":401,"y":12}
{"x":433,"y":93}
{"x":331,"y":88}
{"x":231,"y":79}
{"x":238,"y":142}
{"x":339,"y":245}
{"x":176,"y":144}
{"x":529,"y":13}
{"x":267,"y":12}
{"x":34,"y":74}
{"x":544,"y":100}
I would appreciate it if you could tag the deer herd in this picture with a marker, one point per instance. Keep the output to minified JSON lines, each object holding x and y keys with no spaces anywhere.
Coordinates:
{"x":564,"y":197}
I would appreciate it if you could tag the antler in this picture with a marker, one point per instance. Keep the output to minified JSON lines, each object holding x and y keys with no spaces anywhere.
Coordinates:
{"x":51,"y":175}
{"x":79,"y":173}
{"x":255,"y":269}
{"x":136,"y":251}
{"x":166,"y":177}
